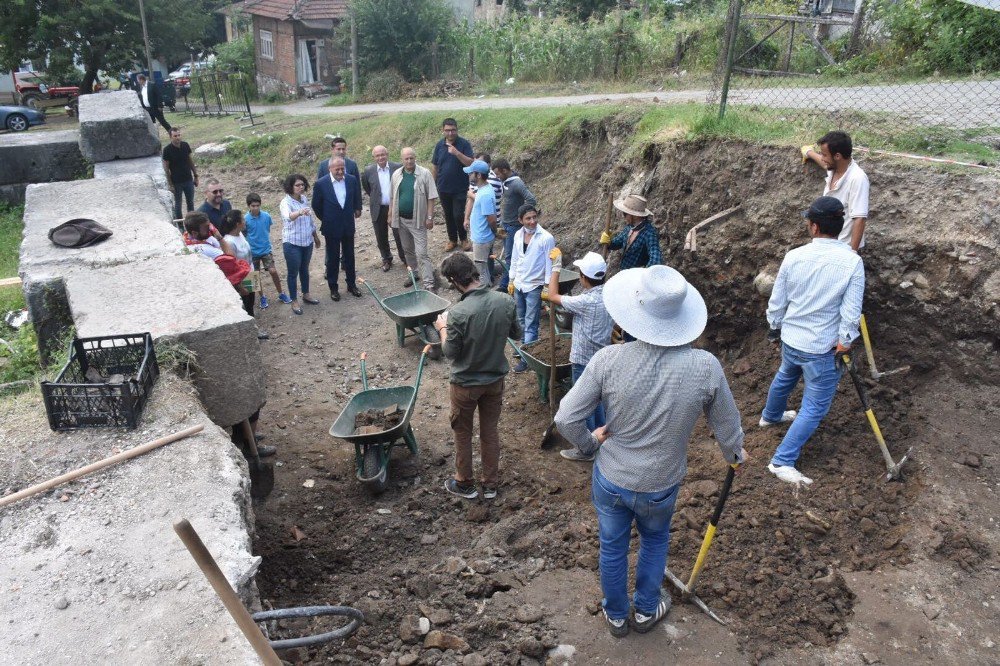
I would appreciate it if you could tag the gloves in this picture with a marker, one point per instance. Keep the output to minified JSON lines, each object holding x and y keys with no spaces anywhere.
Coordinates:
{"x":805,"y":153}
{"x":510,"y":288}
{"x":556,"y":256}
{"x":605,"y":238}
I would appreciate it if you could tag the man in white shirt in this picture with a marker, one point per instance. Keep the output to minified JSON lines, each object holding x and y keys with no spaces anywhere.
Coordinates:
{"x":814,"y":310}
{"x":530,"y":270}
{"x":376,"y":180}
{"x":149,"y":97}
{"x":845,"y":181}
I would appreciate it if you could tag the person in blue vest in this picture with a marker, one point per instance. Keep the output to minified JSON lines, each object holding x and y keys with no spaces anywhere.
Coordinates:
{"x":338,"y":148}
{"x":337,"y":204}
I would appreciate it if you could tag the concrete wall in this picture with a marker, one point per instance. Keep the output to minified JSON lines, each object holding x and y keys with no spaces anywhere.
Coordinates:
{"x":37,"y":157}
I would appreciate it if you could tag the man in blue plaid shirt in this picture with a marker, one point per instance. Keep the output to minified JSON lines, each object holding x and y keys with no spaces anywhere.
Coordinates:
{"x":639,"y":238}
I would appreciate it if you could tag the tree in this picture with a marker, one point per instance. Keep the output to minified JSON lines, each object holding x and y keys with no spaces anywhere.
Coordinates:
{"x":405,"y":35}
{"x":579,"y":9}
{"x":101,"y":33}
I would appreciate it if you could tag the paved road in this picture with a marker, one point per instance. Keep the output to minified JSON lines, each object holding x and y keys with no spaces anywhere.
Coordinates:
{"x":959,"y":104}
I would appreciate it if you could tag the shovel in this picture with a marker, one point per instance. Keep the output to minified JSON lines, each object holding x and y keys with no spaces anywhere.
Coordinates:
{"x":687,"y":591}
{"x":551,"y":436}
{"x":892,"y":468}
{"x":261,"y":473}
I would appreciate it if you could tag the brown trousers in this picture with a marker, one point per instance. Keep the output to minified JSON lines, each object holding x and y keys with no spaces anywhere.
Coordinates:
{"x":464,"y":401}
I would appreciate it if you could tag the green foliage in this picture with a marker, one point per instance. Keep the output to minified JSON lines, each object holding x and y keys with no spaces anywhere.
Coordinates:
{"x":405,"y":35}
{"x":382,"y":86}
{"x":11,"y":228}
{"x":19,"y":360}
{"x":237,"y":56}
{"x":940,"y":35}
{"x":579,"y":10}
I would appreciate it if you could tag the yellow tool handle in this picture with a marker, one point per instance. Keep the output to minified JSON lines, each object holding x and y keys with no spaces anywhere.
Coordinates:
{"x":702,"y":556}
{"x":869,"y":352}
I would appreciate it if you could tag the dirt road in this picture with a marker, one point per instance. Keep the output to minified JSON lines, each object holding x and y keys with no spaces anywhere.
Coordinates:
{"x":960,"y":104}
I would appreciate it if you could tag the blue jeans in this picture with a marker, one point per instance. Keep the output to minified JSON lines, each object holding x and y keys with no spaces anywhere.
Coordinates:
{"x":597,"y":419}
{"x":508,"y":250}
{"x":297,"y":258}
{"x":529,"y":306}
{"x":821,"y":377}
{"x":187,"y":189}
{"x":616,"y":509}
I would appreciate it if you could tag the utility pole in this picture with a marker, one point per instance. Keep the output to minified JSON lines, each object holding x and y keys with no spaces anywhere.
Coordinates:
{"x":354,"y":57}
{"x":145,"y":40}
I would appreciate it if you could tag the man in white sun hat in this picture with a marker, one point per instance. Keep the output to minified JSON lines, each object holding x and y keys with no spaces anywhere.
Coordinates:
{"x":654,"y":390}
{"x":591,"y":324}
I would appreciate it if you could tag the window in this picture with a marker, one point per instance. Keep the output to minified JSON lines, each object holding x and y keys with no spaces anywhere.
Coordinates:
{"x":266,"y":45}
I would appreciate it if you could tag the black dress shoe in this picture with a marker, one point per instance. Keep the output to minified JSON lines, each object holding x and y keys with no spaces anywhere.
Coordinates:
{"x":355,"y":291}
{"x":386,"y":266}
{"x":335,"y":295}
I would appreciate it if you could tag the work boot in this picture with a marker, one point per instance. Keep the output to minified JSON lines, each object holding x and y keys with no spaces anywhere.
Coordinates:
{"x":449,"y":246}
{"x":408,"y":282}
{"x":522,"y":366}
{"x":787,"y":417}
{"x":618,"y":628}
{"x":789,"y":474}
{"x":643,"y":623}
{"x":574,"y":454}
{"x":466,"y":245}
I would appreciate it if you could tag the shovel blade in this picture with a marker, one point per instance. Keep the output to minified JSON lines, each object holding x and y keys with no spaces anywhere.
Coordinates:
{"x":551,"y":437}
{"x":261,"y":479}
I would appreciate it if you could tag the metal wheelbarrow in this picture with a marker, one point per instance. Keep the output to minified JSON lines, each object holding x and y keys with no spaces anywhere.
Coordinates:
{"x":568,"y":278}
{"x":542,"y":370}
{"x":372,"y":449}
{"x":414,"y":311}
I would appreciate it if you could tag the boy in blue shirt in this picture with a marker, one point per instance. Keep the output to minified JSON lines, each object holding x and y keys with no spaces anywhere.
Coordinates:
{"x":258,"y":233}
{"x":482,"y":224}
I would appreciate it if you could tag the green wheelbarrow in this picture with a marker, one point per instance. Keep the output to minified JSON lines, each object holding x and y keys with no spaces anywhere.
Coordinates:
{"x":568,"y":278}
{"x":372,"y":449}
{"x":414,"y":313}
{"x":542,"y":370}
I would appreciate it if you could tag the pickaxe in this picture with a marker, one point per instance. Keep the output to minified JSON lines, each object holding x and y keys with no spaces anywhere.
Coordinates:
{"x":687,"y":591}
{"x":870,"y":353}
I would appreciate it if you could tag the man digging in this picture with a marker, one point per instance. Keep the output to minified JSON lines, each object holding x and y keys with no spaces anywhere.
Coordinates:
{"x":654,"y":389}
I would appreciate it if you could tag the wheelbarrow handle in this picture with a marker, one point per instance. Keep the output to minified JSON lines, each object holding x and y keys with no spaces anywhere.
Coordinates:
{"x":413,"y":278}
{"x":364,"y":371}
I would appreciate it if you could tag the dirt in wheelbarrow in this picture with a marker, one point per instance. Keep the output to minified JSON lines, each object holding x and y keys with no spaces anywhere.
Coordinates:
{"x":377,"y":420}
{"x":542,"y":348}
{"x":848,"y":570}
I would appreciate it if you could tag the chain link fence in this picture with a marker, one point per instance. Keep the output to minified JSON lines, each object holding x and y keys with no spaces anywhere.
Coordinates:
{"x":926,"y":65}
{"x":217,"y":93}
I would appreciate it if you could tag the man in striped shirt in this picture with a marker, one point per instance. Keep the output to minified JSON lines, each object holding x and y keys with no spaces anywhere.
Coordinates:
{"x":814,"y":311}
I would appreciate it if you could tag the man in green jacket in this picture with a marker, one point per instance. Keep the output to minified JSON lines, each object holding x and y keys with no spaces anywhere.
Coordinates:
{"x":473,"y":334}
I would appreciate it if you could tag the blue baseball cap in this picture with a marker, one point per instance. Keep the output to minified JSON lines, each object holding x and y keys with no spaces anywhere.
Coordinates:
{"x":478,"y":166}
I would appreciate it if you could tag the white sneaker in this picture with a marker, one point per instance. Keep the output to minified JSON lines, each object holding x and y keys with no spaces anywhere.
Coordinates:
{"x":787,"y":417}
{"x":789,"y":474}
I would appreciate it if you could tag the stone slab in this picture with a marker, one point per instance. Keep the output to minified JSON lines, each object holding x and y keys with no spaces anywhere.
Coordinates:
{"x":13,"y":194}
{"x":40,"y":157}
{"x":186,"y":299}
{"x":93,"y":573}
{"x":114,"y":126}
{"x":151,"y":166}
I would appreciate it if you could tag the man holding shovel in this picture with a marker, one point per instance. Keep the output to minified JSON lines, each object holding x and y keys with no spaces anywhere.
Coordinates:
{"x":814,"y":311}
{"x":654,"y":389}
{"x":591,"y":325}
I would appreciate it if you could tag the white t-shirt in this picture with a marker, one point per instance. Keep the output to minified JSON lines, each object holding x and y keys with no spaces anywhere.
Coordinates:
{"x":209,"y":248}
{"x":241,"y":246}
{"x":852,"y":191}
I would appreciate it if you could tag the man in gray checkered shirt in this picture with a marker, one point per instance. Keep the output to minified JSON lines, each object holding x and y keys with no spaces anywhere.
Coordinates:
{"x":654,"y":389}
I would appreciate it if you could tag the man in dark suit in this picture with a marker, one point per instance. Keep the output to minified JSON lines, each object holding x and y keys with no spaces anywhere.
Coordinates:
{"x":149,"y":97}
{"x":337,"y":203}
{"x":376,"y":182}
{"x":338,"y":148}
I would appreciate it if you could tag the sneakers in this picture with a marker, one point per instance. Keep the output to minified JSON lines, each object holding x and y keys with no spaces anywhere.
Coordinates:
{"x":284,"y":298}
{"x":449,"y":246}
{"x":262,"y":334}
{"x":789,"y":474}
{"x":263,"y":302}
{"x":521,"y":366}
{"x":618,"y":628}
{"x":266,"y":450}
{"x":466,"y":490}
{"x":408,"y":282}
{"x":574,"y":454}
{"x":489,"y":492}
{"x":643,"y":623}
{"x":787,"y":417}
{"x":466,"y":246}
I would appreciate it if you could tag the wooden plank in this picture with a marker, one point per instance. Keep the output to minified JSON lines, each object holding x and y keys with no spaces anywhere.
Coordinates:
{"x":10,"y":282}
{"x":819,"y":47}
{"x":815,"y":20}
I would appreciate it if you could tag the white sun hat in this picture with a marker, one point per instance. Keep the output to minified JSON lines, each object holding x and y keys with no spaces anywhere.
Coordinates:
{"x":656,"y":305}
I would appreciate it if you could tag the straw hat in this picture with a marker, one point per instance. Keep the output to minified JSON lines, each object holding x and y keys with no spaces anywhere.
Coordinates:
{"x":633,"y":204}
{"x":656,"y":305}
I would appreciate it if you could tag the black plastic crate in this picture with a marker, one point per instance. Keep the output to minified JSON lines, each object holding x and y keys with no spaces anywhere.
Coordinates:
{"x":71,"y":401}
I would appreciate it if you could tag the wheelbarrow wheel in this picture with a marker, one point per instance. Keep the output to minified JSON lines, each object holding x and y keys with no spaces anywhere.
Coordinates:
{"x":371,"y":468}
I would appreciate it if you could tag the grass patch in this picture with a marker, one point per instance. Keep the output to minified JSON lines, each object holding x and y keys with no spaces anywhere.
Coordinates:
{"x":342,"y":99}
{"x":11,"y":228}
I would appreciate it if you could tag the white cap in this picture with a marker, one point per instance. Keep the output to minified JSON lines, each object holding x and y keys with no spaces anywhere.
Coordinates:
{"x":592,"y":265}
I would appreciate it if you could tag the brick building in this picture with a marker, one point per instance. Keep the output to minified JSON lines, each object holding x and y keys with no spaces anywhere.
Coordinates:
{"x":294,"y":45}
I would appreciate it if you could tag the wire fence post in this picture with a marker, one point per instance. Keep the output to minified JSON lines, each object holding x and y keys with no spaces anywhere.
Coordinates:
{"x":731,"y":34}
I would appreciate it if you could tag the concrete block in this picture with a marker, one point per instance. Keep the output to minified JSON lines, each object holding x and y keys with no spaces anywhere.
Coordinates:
{"x":114,"y":126}
{"x":151,"y":166}
{"x":108,"y":552}
{"x":186,"y":299}
{"x":13,"y":194}
{"x":40,"y":157}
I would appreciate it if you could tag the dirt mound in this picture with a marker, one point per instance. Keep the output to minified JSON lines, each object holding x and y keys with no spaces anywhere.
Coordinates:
{"x":377,"y":420}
